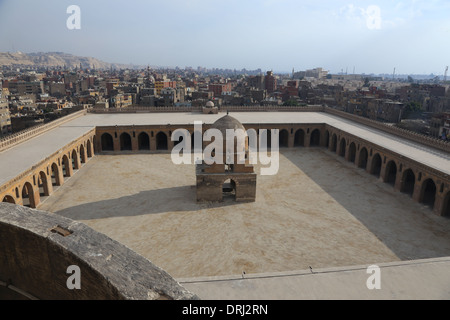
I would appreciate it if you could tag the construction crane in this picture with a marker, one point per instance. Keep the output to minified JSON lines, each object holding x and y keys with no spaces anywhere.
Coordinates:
{"x":445,"y":74}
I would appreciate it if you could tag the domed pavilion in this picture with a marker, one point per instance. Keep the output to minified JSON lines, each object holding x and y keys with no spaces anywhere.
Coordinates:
{"x":234,"y":176}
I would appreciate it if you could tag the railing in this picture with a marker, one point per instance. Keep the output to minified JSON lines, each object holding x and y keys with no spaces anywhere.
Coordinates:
{"x":145,"y":109}
{"x":312,"y":108}
{"x":403,"y":133}
{"x":14,"y":139}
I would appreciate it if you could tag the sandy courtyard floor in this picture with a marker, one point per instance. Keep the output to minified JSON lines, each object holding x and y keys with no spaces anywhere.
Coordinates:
{"x":318,"y":211}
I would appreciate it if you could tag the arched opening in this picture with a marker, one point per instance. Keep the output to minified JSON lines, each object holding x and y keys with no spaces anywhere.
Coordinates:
{"x":161,"y":141}
{"x":284,"y":139}
{"x":89,"y":149}
{"x":56,"y":180}
{"x":82,"y":154}
{"x":180,"y":139}
{"x":352,"y":152}
{"x":327,"y":138}
{"x":143,"y":141}
{"x":333,"y":143}
{"x":125,"y":142}
{"x":376,"y":165}
{"x":9,"y":199}
{"x":28,"y":196}
{"x":315,"y":138}
{"x":107,"y":142}
{"x":75,"y":163}
{"x":65,"y":166}
{"x":42,"y":184}
{"x":446,"y":209}
{"x":193,"y":136}
{"x":363,"y":156}
{"x":269,"y":139}
{"x":428,"y":194}
{"x":342,"y":146}
{"x":391,"y":172}
{"x":408,"y":182}
{"x":229,"y":189}
{"x":299,"y":139}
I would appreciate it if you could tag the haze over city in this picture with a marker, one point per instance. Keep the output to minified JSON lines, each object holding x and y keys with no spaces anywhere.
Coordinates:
{"x":340,"y":36}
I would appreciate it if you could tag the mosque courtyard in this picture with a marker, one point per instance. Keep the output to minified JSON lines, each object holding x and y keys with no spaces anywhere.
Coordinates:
{"x":319,"y":211}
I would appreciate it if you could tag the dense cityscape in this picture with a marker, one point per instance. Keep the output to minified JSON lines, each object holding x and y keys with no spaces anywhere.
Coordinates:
{"x":242,"y":150}
{"x":32,"y":95}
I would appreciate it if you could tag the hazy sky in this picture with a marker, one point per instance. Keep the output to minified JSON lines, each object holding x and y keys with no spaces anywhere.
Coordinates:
{"x":371,"y":36}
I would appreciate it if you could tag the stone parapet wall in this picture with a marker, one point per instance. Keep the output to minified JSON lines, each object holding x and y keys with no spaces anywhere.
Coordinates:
{"x":37,"y":247}
{"x":410,"y":135}
{"x":312,"y":108}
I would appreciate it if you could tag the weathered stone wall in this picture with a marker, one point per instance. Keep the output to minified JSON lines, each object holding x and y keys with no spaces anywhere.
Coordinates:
{"x":34,"y":260}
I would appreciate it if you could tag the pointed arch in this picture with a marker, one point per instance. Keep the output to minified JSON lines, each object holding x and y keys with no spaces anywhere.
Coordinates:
{"x":89,"y":149}
{"x":327,"y":138}
{"x":125,"y":142}
{"x":43,"y":184}
{"x":391,"y":172}
{"x":342,"y":147}
{"x":333,"y":142}
{"x":107,"y":142}
{"x":315,"y":138}
{"x":55,"y":176}
{"x":352,"y":152}
{"x":428,"y":193}
{"x":9,"y":199}
{"x":299,"y":139}
{"x":229,"y":189}
{"x":283,"y":138}
{"x":446,"y":208}
{"x":28,"y":199}
{"x":75,"y":160}
{"x":375,"y":168}
{"x":408,"y":182}
{"x":82,"y":154}
{"x":161,"y":141}
{"x":143,"y":141}
{"x":66,"y":167}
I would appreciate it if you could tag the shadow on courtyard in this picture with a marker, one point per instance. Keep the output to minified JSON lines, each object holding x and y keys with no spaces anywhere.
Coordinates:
{"x":417,"y":234}
{"x":176,"y":199}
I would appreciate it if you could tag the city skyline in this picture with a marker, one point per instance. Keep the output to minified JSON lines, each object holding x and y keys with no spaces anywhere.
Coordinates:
{"x":340,"y":36}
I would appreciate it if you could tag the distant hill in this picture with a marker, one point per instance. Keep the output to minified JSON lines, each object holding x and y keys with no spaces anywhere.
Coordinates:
{"x":55,"y":59}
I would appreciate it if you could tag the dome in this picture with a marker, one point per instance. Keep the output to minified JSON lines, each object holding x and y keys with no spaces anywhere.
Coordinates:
{"x":227,"y":122}
{"x":238,"y":146}
{"x":210,"y":104}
